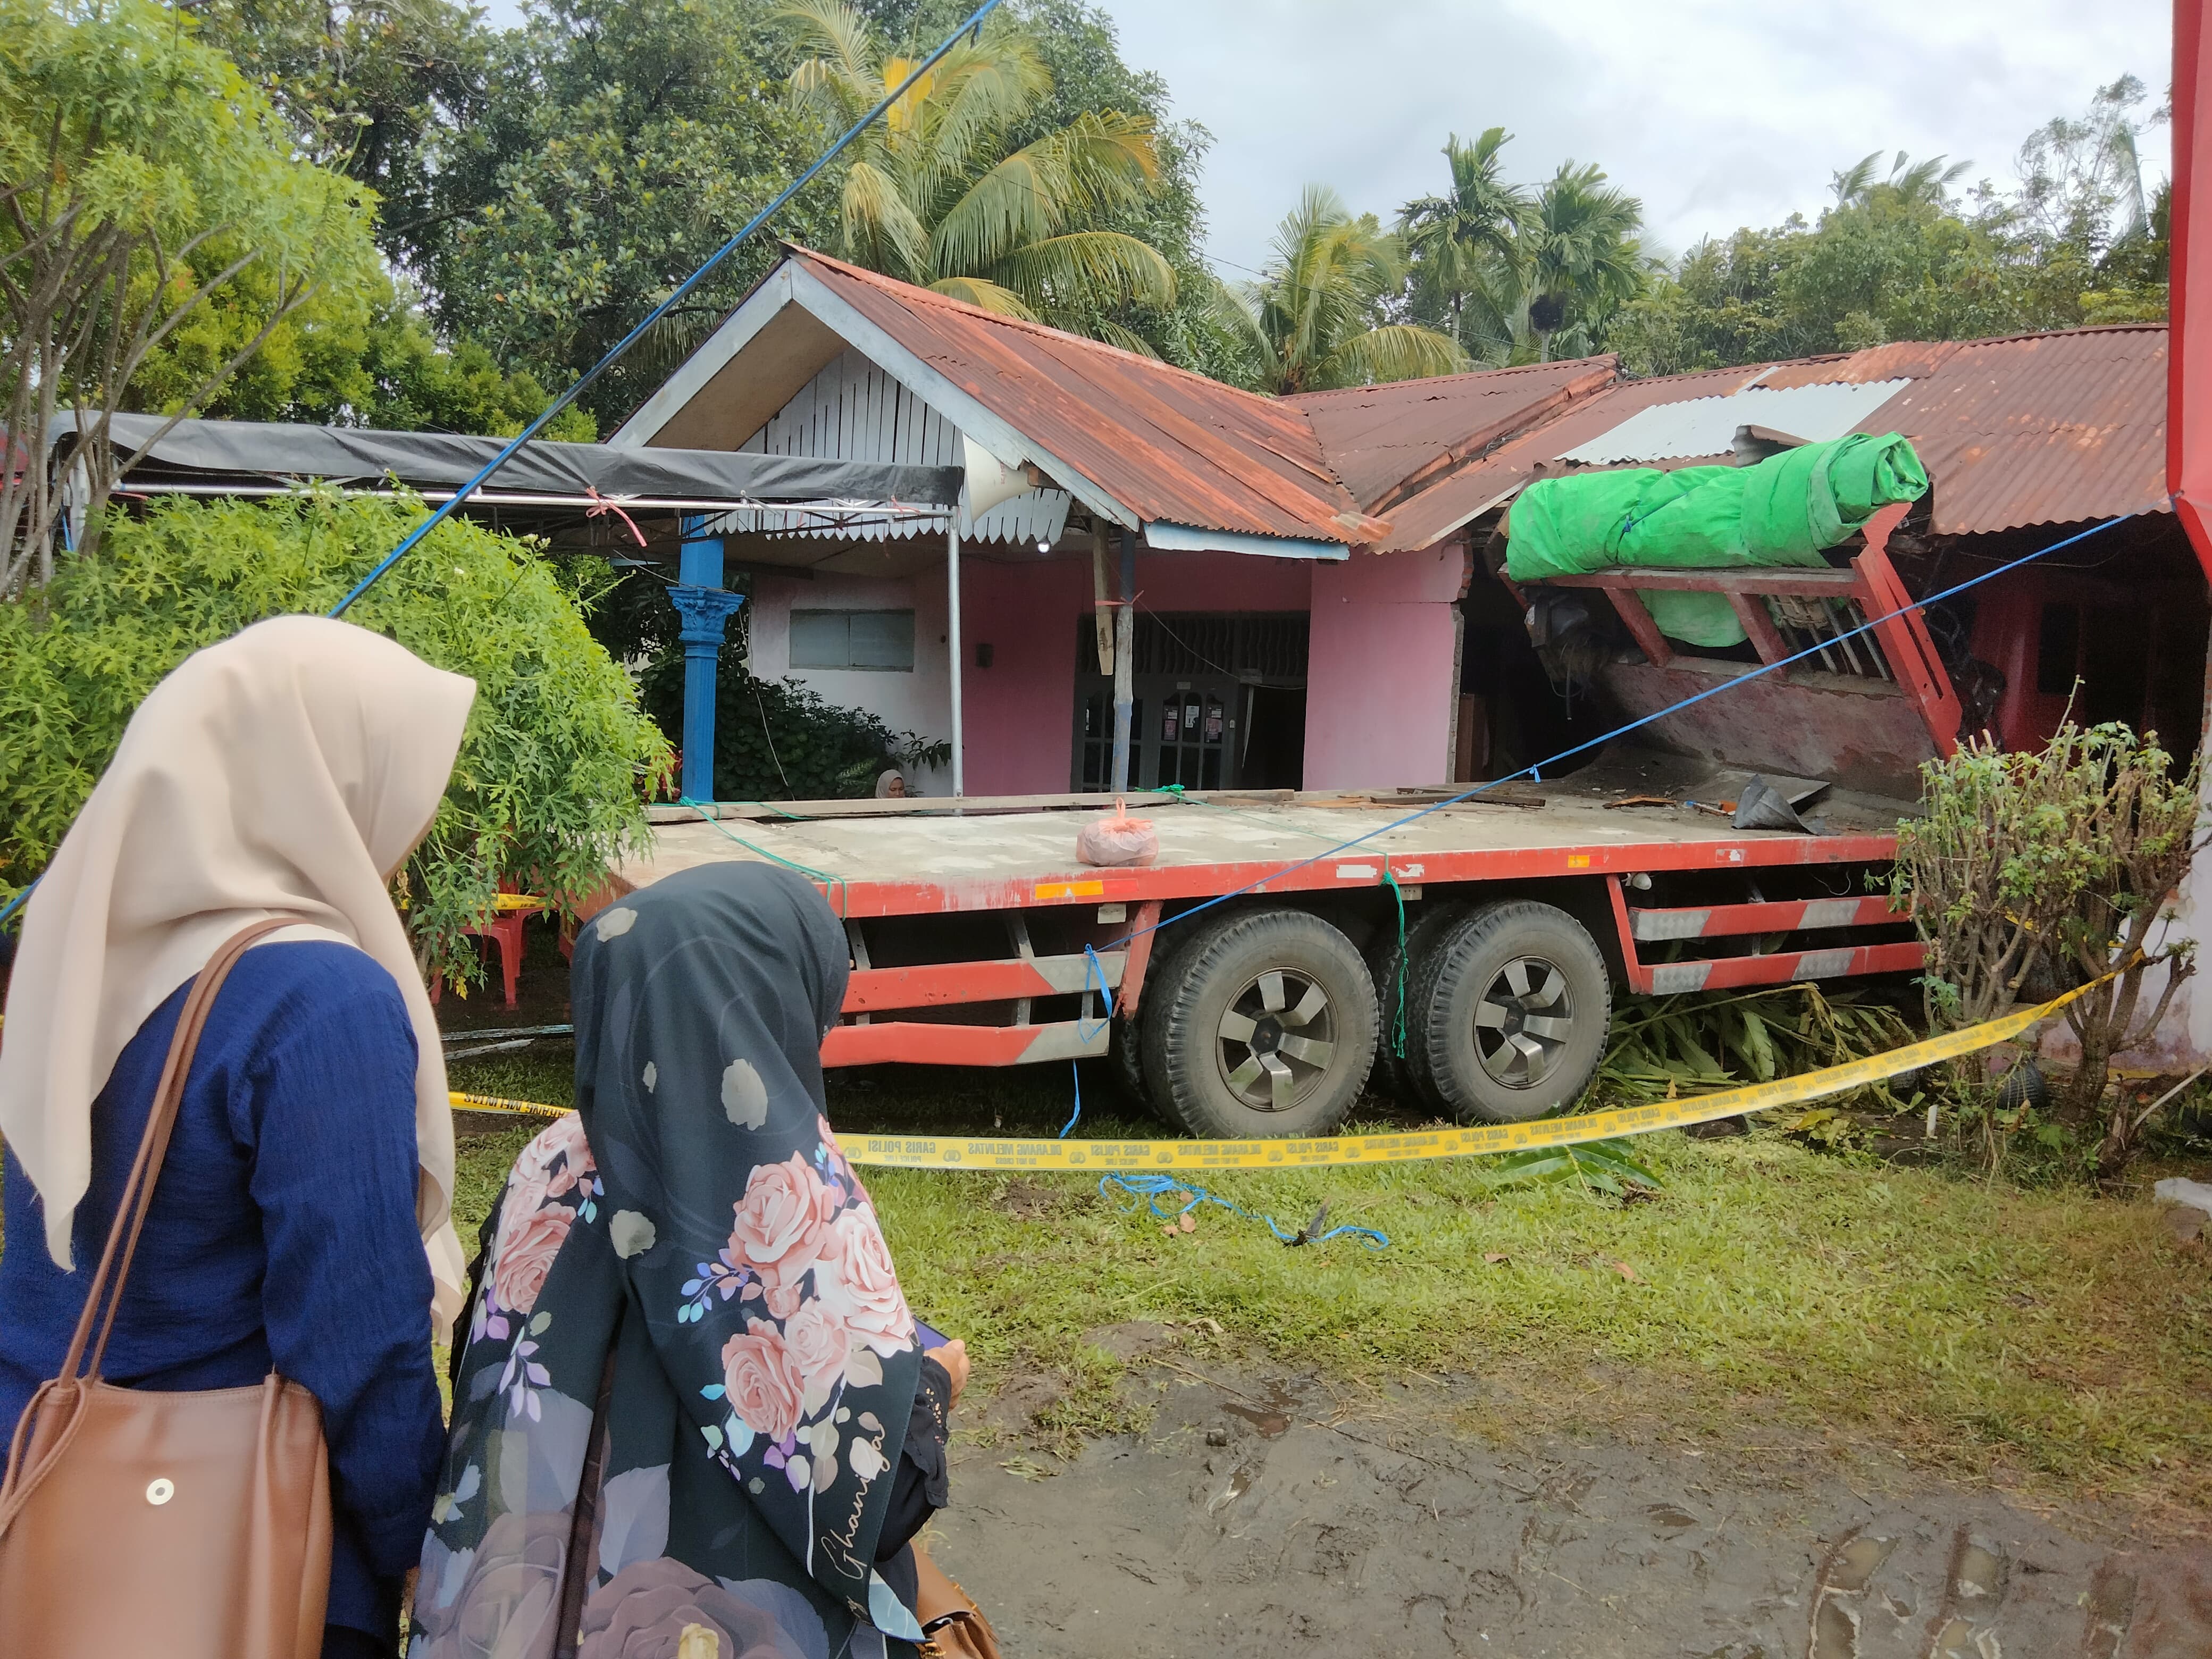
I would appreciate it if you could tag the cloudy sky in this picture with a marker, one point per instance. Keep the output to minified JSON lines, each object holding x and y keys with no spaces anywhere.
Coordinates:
{"x":1716,"y":114}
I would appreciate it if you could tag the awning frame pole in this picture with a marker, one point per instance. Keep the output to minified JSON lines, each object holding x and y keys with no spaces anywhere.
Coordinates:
{"x":1125,"y":628}
{"x":952,"y":634}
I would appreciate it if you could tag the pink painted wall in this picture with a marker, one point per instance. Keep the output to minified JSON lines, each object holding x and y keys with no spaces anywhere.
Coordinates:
{"x":1381,"y":686}
{"x":1018,"y":714}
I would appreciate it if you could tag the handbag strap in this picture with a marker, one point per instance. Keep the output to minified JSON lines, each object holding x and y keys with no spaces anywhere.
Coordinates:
{"x":138,"y":1189}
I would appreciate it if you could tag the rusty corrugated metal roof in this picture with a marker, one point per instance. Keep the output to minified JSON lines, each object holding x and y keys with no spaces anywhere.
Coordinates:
{"x":2041,"y":428}
{"x":1386,"y":442}
{"x":1166,"y":443}
{"x":1468,"y":492}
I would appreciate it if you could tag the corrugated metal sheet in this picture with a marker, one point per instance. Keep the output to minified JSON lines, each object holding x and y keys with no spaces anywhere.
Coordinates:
{"x":854,"y":411}
{"x":2045,"y":428}
{"x":1385,"y":441}
{"x":1706,"y":425}
{"x":2041,"y":428}
{"x":1163,"y":442}
{"x":1445,"y":506}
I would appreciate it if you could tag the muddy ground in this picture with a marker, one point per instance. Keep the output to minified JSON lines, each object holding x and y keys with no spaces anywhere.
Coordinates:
{"x":1262,"y":1511}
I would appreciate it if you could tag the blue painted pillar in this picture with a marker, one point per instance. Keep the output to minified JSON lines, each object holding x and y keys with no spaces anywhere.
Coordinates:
{"x":706,"y":609}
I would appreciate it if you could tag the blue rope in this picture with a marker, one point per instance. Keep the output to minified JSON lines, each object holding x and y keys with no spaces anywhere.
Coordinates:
{"x":446,"y":509}
{"x":1149,"y":1189}
{"x":1532,"y":771}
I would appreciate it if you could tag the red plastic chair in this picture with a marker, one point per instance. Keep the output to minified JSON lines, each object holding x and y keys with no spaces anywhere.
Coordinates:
{"x":504,"y":931}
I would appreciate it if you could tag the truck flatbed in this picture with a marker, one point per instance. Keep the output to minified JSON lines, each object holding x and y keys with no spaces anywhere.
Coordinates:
{"x":881,"y":858}
{"x":978,"y":938}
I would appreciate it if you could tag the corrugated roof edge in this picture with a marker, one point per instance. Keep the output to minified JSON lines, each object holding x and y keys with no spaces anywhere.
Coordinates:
{"x":1296,"y":398}
{"x":906,"y":292}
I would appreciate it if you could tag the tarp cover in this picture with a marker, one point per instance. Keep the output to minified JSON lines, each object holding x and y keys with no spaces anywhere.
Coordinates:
{"x":1782,"y":512}
{"x":437,"y":461}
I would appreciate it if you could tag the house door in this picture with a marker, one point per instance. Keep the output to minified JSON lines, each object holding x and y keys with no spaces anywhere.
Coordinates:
{"x":1220,"y":703}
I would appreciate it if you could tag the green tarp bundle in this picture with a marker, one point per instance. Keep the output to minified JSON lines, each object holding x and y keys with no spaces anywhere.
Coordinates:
{"x":1781,"y":512}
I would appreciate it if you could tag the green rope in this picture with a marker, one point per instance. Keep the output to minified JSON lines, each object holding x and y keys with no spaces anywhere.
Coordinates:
{"x":842,"y":904}
{"x":1398,"y":1031}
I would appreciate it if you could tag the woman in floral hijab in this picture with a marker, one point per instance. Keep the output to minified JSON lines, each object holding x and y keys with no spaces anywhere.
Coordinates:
{"x":692,"y":1417}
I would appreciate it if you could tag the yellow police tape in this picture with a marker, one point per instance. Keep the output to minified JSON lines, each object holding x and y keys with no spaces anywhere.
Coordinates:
{"x":911,"y":1153}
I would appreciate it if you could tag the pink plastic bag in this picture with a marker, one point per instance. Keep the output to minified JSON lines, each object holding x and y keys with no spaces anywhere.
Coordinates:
{"x":1119,"y":841}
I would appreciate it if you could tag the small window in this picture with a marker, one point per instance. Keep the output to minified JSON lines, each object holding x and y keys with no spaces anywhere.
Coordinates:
{"x":2058,"y":650}
{"x":880,"y":640}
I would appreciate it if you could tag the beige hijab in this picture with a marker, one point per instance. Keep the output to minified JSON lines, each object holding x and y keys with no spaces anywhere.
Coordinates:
{"x":286,"y":772}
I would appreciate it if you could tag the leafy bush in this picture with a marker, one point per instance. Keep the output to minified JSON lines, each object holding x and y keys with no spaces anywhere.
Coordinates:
{"x":549,"y":787}
{"x":776,"y":740}
{"x":2034,"y":870}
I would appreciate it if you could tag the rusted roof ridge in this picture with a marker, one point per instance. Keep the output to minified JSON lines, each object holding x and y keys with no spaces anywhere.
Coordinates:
{"x":930,"y":297}
{"x":1213,"y":447}
{"x":970,"y":355}
{"x":1443,"y":381}
{"x":1485,"y":440}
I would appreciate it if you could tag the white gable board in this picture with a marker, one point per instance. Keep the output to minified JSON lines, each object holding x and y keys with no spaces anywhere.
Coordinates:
{"x":854,"y":409}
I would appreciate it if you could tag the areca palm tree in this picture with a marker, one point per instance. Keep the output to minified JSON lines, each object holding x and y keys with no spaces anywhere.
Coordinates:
{"x":1462,"y":243}
{"x":936,"y":198}
{"x":1581,"y":259}
{"x":1311,"y":322}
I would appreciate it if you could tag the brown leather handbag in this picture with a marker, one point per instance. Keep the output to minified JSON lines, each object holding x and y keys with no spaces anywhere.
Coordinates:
{"x":193,"y":1525}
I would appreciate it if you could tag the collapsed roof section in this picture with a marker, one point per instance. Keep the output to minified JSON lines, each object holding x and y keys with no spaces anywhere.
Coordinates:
{"x":2043,"y":428}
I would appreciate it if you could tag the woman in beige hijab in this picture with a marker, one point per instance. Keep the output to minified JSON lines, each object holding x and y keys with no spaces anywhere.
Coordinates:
{"x":301,"y":1222}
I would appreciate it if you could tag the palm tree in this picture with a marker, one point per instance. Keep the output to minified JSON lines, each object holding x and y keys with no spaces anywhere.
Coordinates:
{"x":935,"y":196}
{"x":1581,"y":259}
{"x":1909,"y":184}
{"x":1462,"y":243}
{"x":1311,"y":323}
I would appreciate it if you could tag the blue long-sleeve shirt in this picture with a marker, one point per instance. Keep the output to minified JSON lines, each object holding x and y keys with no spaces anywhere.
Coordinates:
{"x":282,"y":1233}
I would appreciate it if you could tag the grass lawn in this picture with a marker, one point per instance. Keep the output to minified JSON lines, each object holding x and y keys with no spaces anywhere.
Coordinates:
{"x":2044,"y":1336}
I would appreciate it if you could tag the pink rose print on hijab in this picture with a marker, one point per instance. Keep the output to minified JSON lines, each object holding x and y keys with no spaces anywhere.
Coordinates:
{"x":524,"y":1253}
{"x":648,"y":1609}
{"x":510,"y":1597}
{"x":764,"y":1383}
{"x":783,"y":1221}
{"x":550,"y":1165}
{"x":855,"y":1280}
{"x":818,"y":1341}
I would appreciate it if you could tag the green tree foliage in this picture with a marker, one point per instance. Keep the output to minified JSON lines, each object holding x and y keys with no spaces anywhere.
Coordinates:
{"x":1077,"y":43}
{"x":1461,"y":245}
{"x":1317,"y":320}
{"x":776,"y":740}
{"x":157,"y":220}
{"x":937,"y":195}
{"x":557,"y":758}
{"x":369,"y":87}
{"x":616,"y":144}
{"x":1900,"y":257}
{"x":1516,"y":273}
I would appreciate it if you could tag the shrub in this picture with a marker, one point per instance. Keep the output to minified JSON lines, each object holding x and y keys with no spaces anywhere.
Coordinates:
{"x":776,"y":740}
{"x":549,"y":787}
{"x":2050,"y":868}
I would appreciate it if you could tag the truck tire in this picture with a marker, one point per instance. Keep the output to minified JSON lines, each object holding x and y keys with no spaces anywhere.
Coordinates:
{"x":1125,"y":1067}
{"x":1393,"y":1076}
{"x":1513,"y":1005}
{"x":1263,"y":1024}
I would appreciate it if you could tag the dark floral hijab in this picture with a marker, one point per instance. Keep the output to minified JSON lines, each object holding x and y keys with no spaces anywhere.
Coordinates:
{"x":689,"y":1366}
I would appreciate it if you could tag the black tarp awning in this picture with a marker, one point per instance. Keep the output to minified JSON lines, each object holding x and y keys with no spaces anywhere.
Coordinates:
{"x":543,"y":484}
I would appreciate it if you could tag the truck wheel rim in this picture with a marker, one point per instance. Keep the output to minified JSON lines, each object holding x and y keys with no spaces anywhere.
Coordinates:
{"x":1276,"y":1039}
{"x":1523,"y":1023}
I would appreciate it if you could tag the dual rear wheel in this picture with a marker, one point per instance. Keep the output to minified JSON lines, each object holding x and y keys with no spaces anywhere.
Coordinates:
{"x":1267,"y":1022}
